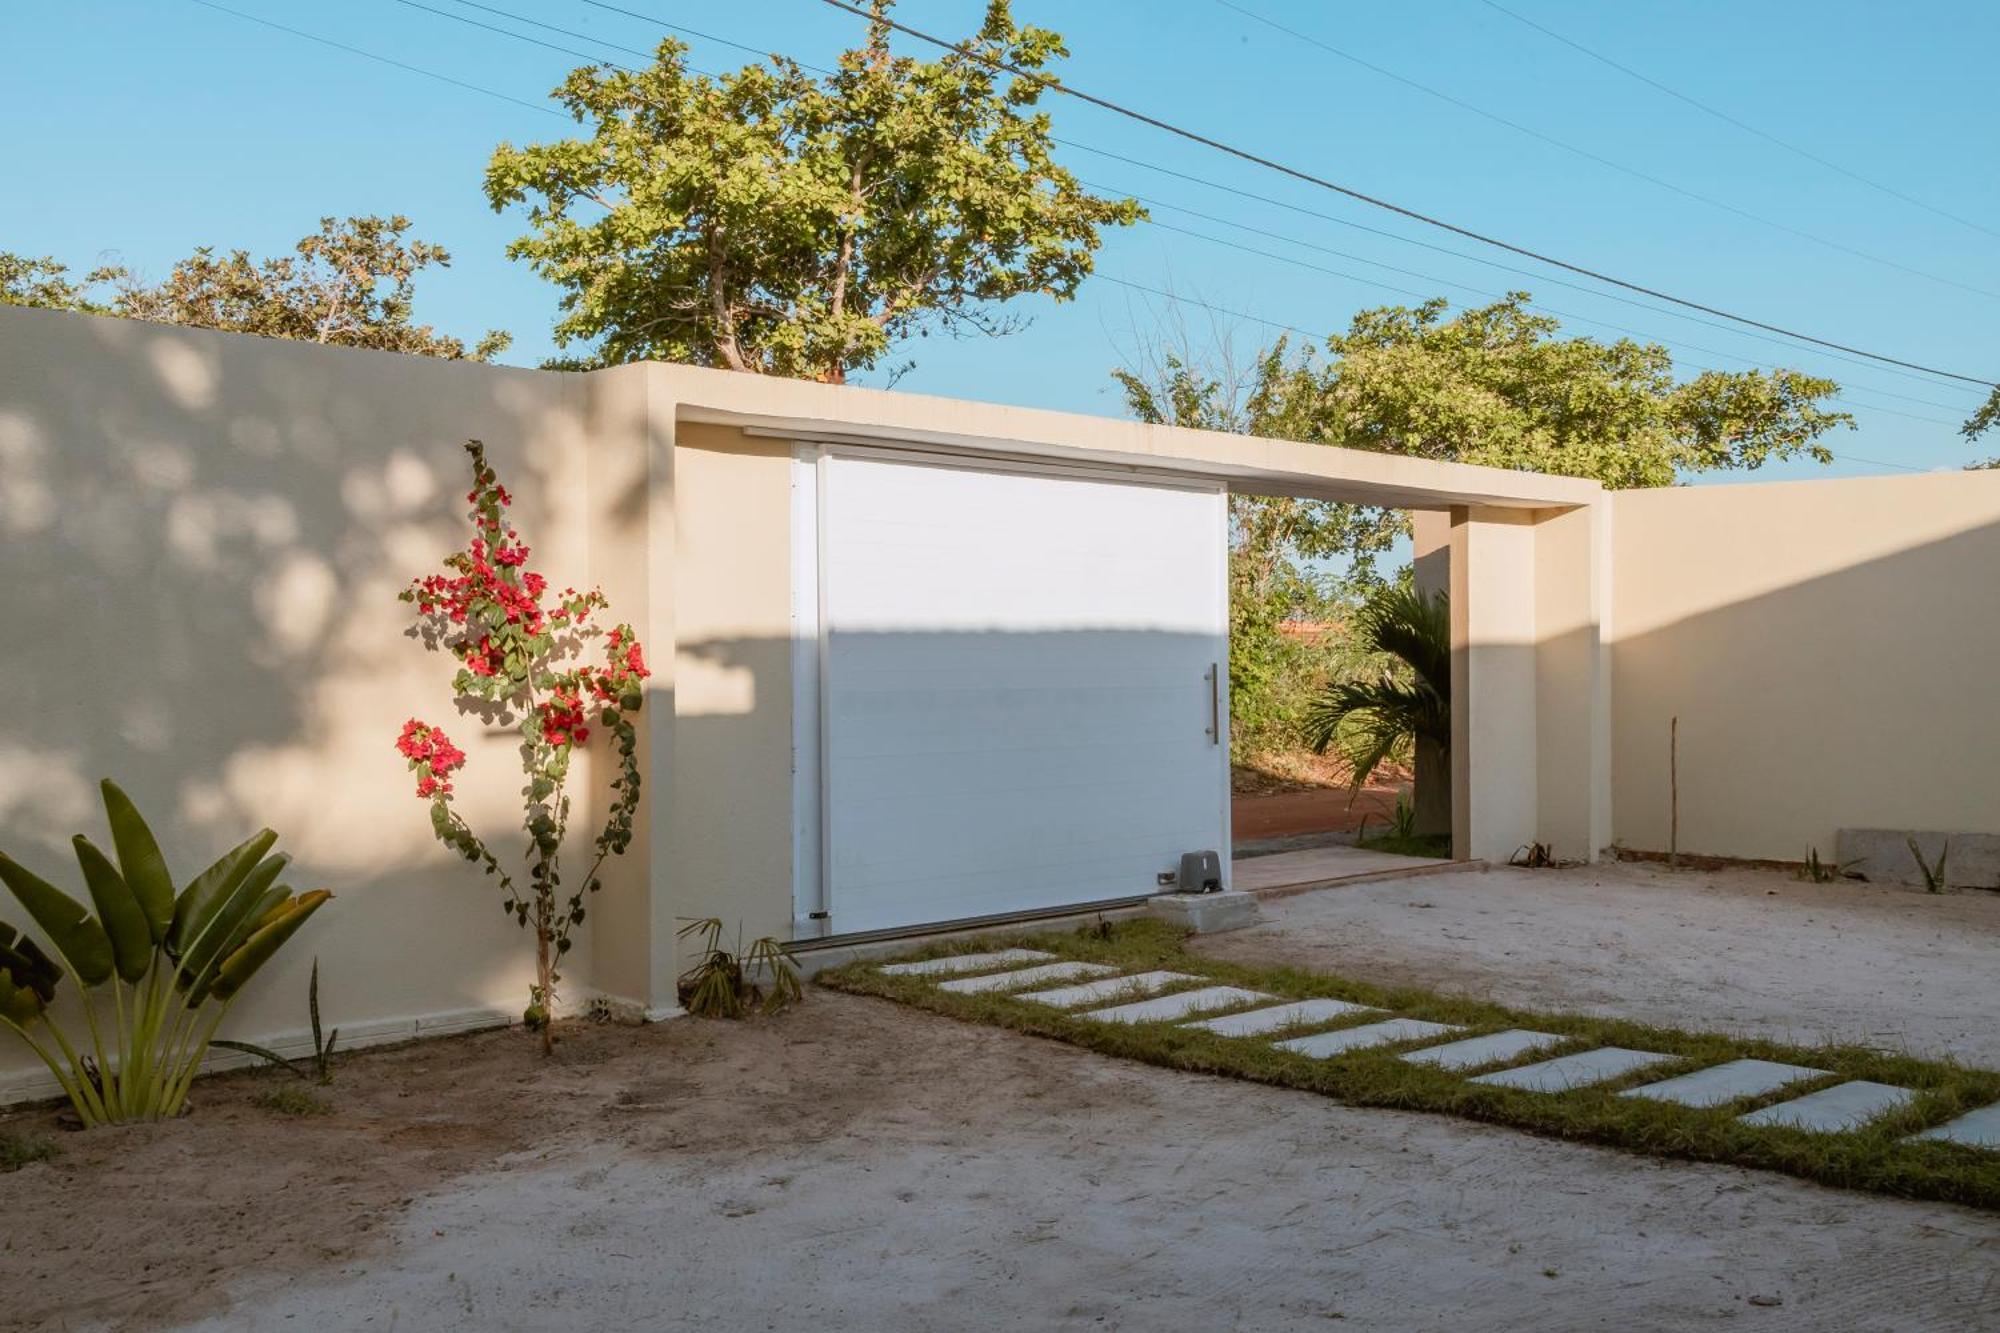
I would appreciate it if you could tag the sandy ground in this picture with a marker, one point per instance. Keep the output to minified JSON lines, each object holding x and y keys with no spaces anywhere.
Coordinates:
{"x":857,"y":1166}
{"x":1748,"y":951}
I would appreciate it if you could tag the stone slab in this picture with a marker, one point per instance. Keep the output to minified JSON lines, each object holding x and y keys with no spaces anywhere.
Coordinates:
{"x":1321,"y":1045}
{"x":1720,"y":1084}
{"x":1978,"y":1129}
{"x":1882,"y":856}
{"x":1830,"y":1110}
{"x":1110,"y":988}
{"x":1256,"y":1022}
{"x":1180,"y":1004}
{"x":1205,"y":913}
{"x":1022,"y":978}
{"x":964,"y":962}
{"x":1488,"y":1050}
{"x":1573,"y":1071}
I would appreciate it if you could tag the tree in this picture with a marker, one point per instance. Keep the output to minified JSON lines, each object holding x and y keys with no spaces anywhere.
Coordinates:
{"x":350,"y":284}
{"x":1978,"y":424}
{"x":1495,"y":385}
{"x":1386,"y":715}
{"x":770,"y":222}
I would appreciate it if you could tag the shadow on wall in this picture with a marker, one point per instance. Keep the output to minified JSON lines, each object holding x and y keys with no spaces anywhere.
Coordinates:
{"x":1862,"y":695}
{"x":970,"y":772}
{"x":203,"y":538}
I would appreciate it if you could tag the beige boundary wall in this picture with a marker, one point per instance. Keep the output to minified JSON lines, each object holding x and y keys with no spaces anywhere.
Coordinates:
{"x":203,"y":536}
{"x":1832,"y":649}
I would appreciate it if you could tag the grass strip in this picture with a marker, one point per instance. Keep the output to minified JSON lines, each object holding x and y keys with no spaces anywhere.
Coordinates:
{"x":1876,"y":1158}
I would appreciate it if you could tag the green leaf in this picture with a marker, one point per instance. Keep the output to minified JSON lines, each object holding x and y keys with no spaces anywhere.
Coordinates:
{"x":229,"y":925}
{"x":207,"y":891}
{"x":75,"y":933}
{"x":139,"y":859}
{"x":118,"y":909}
{"x":278,"y":926}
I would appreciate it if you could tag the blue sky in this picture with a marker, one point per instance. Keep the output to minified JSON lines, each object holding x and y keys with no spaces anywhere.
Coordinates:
{"x":140,"y":130}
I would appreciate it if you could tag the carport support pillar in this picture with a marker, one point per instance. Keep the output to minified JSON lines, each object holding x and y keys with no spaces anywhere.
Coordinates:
{"x":1530,"y":682}
{"x":1430,"y":566}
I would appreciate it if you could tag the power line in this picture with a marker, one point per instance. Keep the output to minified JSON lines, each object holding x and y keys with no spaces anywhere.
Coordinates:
{"x":1742,"y":125}
{"x":1178,"y":299}
{"x":752,"y":50}
{"x":1581,"y":319}
{"x":1589,"y":156}
{"x":1427,"y":219}
{"x":1538,"y":278}
{"x":542,"y":107}
{"x":1447,"y":282}
{"x":414,"y":69}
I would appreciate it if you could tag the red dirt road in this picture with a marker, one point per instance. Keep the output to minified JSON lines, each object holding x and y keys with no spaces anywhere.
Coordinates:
{"x":1320,"y":810}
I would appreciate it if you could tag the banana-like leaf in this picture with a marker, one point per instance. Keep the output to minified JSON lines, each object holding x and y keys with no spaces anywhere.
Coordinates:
{"x":229,"y":926}
{"x":124,"y":922}
{"x":207,"y":891}
{"x":278,"y":927}
{"x":23,"y":963}
{"x":20,"y":1005}
{"x":139,"y":859}
{"x":74,"y":932}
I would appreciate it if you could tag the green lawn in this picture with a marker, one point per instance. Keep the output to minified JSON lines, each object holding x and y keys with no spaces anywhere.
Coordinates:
{"x":1873,"y":1158}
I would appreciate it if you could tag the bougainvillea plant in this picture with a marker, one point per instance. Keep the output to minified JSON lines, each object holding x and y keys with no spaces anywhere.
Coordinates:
{"x":521,"y":652}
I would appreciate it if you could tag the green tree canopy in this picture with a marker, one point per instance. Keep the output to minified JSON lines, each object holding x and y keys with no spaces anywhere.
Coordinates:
{"x":771,"y":222}
{"x":1497,"y":385}
{"x":350,"y":284}
{"x":1985,"y":419}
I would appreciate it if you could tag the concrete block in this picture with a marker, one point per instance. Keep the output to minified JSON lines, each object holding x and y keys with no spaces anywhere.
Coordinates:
{"x":1110,"y":988}
{"x":1320,"y":1045}
{"x":1573,"y":1071}
{"x":1843,"y":1106}
{"x":1488,"y":1050}
{"x":1206,"y":913}
{"x":964,"y":962}
{"x":1721,"y":1084}
{"x":1882,"y":856}
{"x":1256,"y":1022}
{"x":1178,"y":1005}
{"x":1022,"y":978}
{"x":1978,"y":1129}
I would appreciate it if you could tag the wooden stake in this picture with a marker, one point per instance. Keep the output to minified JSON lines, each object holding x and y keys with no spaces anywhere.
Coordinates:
{"x":1674,"y":791}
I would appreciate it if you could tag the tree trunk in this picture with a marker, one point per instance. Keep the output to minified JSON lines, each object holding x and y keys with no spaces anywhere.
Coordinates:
{"x":545,"y":977}
{"x":1433,"y":794}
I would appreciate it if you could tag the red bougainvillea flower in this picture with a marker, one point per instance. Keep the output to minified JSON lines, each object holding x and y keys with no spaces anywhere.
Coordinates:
{"x":432,"y":757}
{"x":562,"y":719}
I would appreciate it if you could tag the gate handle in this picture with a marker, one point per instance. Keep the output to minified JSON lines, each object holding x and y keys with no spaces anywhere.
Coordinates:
{"x":1214,"y":706}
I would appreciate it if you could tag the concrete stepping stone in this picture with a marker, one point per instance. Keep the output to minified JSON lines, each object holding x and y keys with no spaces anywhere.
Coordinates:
{"x":1321,"y":1045}
{"x":1488,"y":1050}
{"x":1573,"y":1071}
{"x":963,"y":962}
{"x":1110,"y":988}
{"x":1025,"y":977}
{"x":1256,"y":1022}
{"x":1978,"y":1129}
{"x":1178,"y":1005}
{"x":1720,"y":1084}
{"x":1830,"y":1110}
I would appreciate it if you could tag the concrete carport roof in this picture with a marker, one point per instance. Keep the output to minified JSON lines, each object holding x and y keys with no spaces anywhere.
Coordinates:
{"x":1527,"y":559}
{"x":1243,"y":463}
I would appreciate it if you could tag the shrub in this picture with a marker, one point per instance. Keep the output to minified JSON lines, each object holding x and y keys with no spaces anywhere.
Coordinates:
{"x":173,"y":963}
{"x":517,"y":649}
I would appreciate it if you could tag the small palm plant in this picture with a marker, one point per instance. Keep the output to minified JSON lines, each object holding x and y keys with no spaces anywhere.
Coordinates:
{"x":1370,"y":720}
{"x":172,"y":963}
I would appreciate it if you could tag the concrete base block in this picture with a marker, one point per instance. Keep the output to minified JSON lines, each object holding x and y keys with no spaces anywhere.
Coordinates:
{"x":1206,"y":913}
{"x":1882,"y":856}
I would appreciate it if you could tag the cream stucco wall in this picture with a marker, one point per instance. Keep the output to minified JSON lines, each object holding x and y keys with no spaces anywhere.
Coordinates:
{"x":732,"y":809}
{"x":203,"y":537}
{"x":1830,"y":648}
